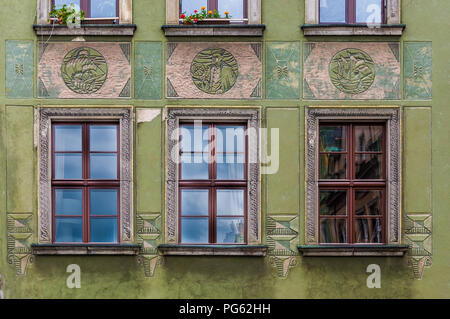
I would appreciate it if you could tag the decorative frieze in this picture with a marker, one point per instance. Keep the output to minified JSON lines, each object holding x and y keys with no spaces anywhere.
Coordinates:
{"x":417,"y":63}
{"x":20,"y":236}
{"x":419,"y":236}
{"x":19,"y":69}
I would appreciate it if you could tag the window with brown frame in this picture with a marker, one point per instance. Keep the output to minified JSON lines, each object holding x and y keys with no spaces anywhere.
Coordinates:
{"x":351,"y":11}
{"x":96,"y":11}
{"x":236,"y":8}
{"x":212,"y":183}
{"x":352,"y":183}
{"x":85,"y":182}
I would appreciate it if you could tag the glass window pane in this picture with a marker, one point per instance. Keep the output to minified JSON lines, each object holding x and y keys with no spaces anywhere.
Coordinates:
{"x":68,"y":138}
{"x":194,"y":202}
{"x":194,"y":230}
{"x":194,"y":138}
{"x":68,"y":166}
{"x":194,"y":166}
{"x":369,"y":138}
{"x":68,"y":230}
{"x":368,"y":202}
{"x":332,"y":11}
{"x":368,"y":166}
{"x":230,"y":230}
{"x":60,"y":3}
{"x":333,"y":230}
{"x":188,"y":6}
{"x":333,"y":138}
{"x":333,"y":202}
{"x":230,"y":139}
{"x":368,"y":11}
{"x":103,"y":201}
{"x":103,"y":230}
{"x":103,"y":166}
{"x":68,"y":202}
{"x":103,"y":9}
{"x":230,"y":201}
{"x":230,"y":166}
{"x":333,"y":166}
{"x":103,"y":138}
{"x":234,"y":7}
{"x":368,"y":230}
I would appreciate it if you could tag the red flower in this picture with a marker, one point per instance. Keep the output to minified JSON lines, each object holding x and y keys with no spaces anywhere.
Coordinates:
{"x":195,"y":20}
{"x":195,"y":11}
{"x":182,"y":16}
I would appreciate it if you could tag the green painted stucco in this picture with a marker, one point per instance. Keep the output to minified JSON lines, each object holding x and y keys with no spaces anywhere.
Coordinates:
{"x":425,"y":174}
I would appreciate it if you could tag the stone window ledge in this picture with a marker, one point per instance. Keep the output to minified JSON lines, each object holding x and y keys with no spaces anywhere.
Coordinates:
{"x":213,"y":250}
{"x":230,"y":30}
{"x":86,"y":249}
{"x":85,"y":29}
{"x":352,"y":29}
{"x":353,"y":250}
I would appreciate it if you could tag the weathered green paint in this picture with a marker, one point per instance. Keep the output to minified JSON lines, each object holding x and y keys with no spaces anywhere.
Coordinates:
{"x":283,"y":70}
{"x":417,"y":70}
{"x":148,"y":70}
{"x":222,"y":277}
{"x":417,"y":160}
{"x":19,"y":69}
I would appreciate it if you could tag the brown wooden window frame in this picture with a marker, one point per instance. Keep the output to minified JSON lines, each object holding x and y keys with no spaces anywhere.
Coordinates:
{"x":350,"y":13}
{"x":214,"y":5}
{"x":213,"y":184}
{"x":85,"y":5}
{"x":350,"y":184}
{"x":85,"y":183}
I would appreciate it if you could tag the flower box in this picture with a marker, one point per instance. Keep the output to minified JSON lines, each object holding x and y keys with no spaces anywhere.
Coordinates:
{"x":213,"y":21}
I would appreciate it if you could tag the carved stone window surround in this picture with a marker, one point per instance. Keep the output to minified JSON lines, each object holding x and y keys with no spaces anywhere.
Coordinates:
{"x":392,"y":117}
{"x":124,"y":28}
{"x":252,"y":116}
{"x":44,"y":117}
{"x":391,"y":27}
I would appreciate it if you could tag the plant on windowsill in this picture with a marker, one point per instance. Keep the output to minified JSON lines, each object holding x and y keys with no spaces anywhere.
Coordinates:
{"x":65,"y":13}
{"x":204,"y":17}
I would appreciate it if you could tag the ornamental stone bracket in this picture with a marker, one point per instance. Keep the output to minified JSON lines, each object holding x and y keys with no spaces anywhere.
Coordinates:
{"x":392,"y":118}
{"x":253,"y":119}
{"x":46,"y":116}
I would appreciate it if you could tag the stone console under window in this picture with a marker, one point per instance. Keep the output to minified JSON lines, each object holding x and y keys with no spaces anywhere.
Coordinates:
{"x":245,"y":18}
{"x":114,"y":18}
{"x":352,"y":17}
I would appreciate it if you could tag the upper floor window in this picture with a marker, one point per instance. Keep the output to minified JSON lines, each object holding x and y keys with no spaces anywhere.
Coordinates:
{"x":100,"y":11}
{"x":351,"y":11}
{"x":237,"y":9}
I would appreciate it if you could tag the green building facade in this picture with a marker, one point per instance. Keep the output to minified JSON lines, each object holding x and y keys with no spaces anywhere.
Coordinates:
{"x":283,"y":74}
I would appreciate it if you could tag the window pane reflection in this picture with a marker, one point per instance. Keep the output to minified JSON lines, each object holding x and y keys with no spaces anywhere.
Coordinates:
{"x":103,"y":138}
{"x":332,"y":11}
{"x":333,"y":138}
{"x":333,"y":166}
{"x":103,"y":166}
{"x":234,"y":7}
{"x":333,"y":202}
{"x":103,"y":230}
{"x":68,"y":138}
{"x":194,"y":230}
{"x":230,"y":201}
{"x":368,"y":166}
{"x":68,"y":166}
{"x":68,"y":201}
{"x":194,"y":201}
{"x":368,"y":11}
{"x":333,"y":230}
{"x":368,"y":230}
{"x":368,"y":202}
{"x":369,"y":138}
{"x":230,"y":230}
{"x":103,"y":8}
{"x":68,"y":230}
{"x":194,"y":166}
{"x":103,"y":201}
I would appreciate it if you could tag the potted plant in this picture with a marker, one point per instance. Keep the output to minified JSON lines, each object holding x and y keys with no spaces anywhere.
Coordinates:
{"x":205,"y":17}
{"x":65,"y":13}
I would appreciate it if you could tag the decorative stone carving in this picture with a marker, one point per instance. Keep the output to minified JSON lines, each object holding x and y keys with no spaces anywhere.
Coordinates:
{"x":148,"y":231}
{"x":20,"y":234}
{"x":214,"y":71}
{"x":124,"y":116}
{"x":84,"y":70}
{"x":352,"y":71}
{"x":19,"y":69}
{"x":252,"y":116}
{"x":393,"y":165}
{"x":418,"y":234}
{"x":418,"y":84}
{"x":282,"y":237}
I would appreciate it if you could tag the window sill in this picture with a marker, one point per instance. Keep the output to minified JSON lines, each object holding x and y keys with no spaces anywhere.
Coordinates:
{"x":352,"y":29}
{"x":230,"y":30}
{"x":86,"y":249}
{"x":213,"y":250}
{"x":85,"y":29}
{"x":353,"y":250}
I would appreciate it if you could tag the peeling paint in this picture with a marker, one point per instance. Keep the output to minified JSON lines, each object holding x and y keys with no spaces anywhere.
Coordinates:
{"x":146,"y":115}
